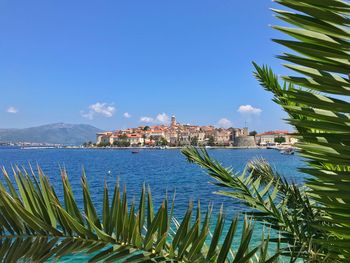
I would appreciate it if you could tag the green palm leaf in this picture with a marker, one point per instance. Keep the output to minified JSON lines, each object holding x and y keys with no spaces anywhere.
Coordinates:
{"x":282,"y":206}
{"x":320,"y":40}
{"x":36,"y":226}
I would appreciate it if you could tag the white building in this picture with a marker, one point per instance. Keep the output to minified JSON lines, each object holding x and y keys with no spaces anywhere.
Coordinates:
{"x":104,"y":138}
{"x":135,"y":139}
{"x":269,"y":138}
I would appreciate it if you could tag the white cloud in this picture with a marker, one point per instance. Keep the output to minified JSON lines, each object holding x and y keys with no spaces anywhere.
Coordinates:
{"x":127,"y":115}
{"x":162,"y":118}
{"x":249,"y":109}
{"x":11,"y":109}
{"x":146,"y":119}
{"x":100,"y":108}
{"x":224,"y":123}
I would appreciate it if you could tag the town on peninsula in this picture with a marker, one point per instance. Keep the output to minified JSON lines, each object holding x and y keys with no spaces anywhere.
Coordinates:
{"x":178,"y":135}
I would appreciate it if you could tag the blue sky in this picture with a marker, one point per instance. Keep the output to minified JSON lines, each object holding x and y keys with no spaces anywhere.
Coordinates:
{"x":94,"y":61}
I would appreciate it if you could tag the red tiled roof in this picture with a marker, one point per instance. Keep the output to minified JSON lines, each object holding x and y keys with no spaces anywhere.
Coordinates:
{"x":134,"y":135}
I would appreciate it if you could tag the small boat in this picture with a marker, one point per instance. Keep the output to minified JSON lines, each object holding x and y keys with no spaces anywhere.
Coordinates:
{"x":289,"y":151}
{"x":135,"y":151}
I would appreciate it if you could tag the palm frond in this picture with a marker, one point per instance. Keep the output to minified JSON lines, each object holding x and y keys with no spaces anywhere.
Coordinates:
{"x":320,"y":44}
{"x":271,"y":199}
{"x":35,"y":225}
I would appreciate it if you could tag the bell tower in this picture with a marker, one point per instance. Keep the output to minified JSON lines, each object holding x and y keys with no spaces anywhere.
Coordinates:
{"x":173,"y":121}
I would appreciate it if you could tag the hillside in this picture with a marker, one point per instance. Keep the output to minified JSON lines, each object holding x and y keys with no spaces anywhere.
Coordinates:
{"x":58,"y":133}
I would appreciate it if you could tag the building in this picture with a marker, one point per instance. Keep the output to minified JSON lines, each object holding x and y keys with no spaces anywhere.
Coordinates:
{"x":155,"y":133}
{"x":176,"y":134}
{"x":184,"y":138}
{"x":275,"y":137}
{"x":135,"y":139}
{"x":222,"y":137}
{"x":103,"y":138}
{"x":173,"y":121}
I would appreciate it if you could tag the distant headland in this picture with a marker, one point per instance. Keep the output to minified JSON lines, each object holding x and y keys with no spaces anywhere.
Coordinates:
{"x":49,"y":135}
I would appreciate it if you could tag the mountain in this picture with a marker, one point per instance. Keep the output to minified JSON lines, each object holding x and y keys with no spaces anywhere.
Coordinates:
{"x":57,"y":133}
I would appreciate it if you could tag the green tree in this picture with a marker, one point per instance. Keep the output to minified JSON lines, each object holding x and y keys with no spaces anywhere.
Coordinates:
{"x":280,"y":139}
{"x":123,"y":137}
{"x":162,"y":142}
{"x":104,"y":144}
{"x":253,"y":133}
{"x":122,"y":143}
{"x":88,"y":144}
{"x":194,"y":141}
{"x":211,"y":141}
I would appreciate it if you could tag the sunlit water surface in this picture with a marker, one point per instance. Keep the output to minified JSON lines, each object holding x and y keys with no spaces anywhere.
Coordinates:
{"x":165,"y":171}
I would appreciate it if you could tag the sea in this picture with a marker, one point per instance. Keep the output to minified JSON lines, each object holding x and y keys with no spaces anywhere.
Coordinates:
{"x":166,"y":172}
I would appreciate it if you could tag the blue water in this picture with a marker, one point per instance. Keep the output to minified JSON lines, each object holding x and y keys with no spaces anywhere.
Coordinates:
{"x":165,"y":171}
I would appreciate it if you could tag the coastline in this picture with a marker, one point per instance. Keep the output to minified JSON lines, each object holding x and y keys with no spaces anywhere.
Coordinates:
{"x":168,"y":148}
{"x":279,"y":148}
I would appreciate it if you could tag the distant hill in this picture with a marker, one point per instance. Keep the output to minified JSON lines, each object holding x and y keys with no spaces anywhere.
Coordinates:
{"x":57,"y":133}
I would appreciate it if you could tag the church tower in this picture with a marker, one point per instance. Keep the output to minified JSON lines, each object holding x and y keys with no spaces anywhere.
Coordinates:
{"x":173,"y":121}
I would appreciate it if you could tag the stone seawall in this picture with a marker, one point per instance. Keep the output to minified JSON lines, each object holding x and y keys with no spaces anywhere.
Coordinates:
{"x":245,"y":141}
